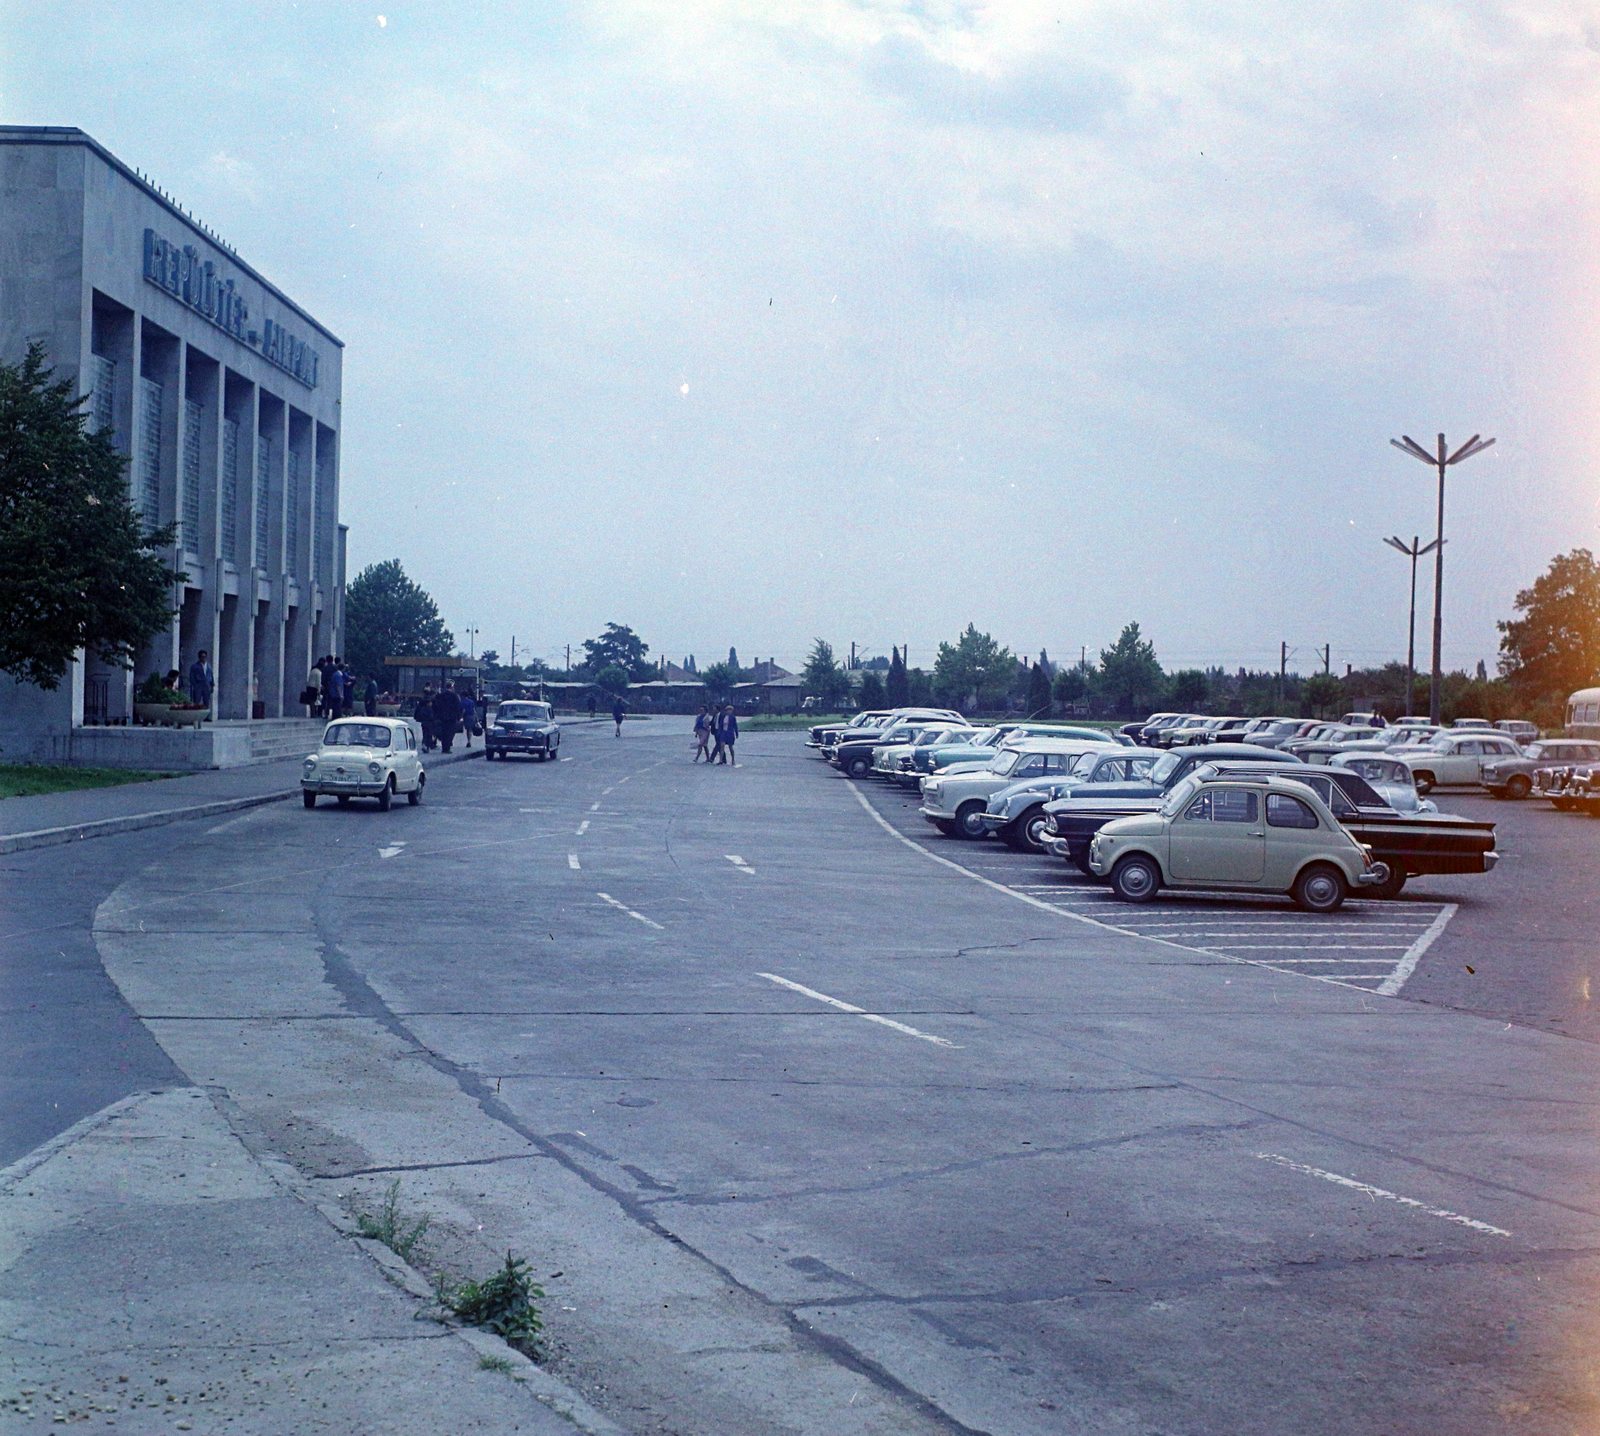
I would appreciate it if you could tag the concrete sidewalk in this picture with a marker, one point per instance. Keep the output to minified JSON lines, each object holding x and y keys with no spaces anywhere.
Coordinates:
{"x":156,"y":1276}
{"x":53,"y":818}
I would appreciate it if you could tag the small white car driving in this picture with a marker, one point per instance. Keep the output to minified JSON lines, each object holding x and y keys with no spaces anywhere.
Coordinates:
{"x":365,"y":758}
{"x":1268,"y":834}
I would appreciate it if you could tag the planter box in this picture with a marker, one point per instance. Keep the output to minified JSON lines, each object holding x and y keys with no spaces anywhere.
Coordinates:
{"x":164,"y":714}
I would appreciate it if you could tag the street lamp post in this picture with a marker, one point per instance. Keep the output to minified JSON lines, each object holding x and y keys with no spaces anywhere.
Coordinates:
{"x":1413,"y":553}
{"x":1440,"y":461}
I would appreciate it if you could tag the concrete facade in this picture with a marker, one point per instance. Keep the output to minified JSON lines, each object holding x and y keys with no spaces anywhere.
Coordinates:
{"x":223,"y":393}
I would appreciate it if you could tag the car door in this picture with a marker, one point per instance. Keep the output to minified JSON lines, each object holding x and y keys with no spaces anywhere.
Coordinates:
{"x":1461,"y":764}
{"x":1218,"y":839}
{"x":1293,"y":829}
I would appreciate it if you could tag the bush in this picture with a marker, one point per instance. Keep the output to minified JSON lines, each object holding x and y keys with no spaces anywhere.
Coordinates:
{"x":502,"y":1304}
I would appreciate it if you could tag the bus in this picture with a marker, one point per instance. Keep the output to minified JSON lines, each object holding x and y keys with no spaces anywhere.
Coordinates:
{"x":1583,"y":714}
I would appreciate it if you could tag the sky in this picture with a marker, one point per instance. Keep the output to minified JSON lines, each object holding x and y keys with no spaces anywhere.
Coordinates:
{"x":750,"y":323}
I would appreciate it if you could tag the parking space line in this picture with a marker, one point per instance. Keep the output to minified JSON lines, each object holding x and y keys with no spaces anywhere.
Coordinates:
{"x":573,"y":863}
{"x":850,"y":1007}
{"x":1388,"y":1196}
{"x":740,"y":863}
{"x":583,"y":827}
{"x":606,"y":897}
{"x":1408,"y":964}
{"x":1212,"y":934}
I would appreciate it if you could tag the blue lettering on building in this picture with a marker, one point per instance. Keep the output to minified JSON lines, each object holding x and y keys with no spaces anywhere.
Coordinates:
{"x":193,"y":280}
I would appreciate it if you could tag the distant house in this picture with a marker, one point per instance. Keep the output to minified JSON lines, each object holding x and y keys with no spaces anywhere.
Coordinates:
{"x":777,"y":695}
{"x":765,"y":670}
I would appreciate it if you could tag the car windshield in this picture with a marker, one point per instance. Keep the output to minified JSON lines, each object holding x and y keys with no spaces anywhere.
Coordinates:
{"x":1440,"y":743}
{"x":1083,"y":764}
{"x":1165,"y":766}
{"x":1006,"y":761}
{"x":527,"y":712}
{"x":1179,"y":797}
{"x":356,"y":735}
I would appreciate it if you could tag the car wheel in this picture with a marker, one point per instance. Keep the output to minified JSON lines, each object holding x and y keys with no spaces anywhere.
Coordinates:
{"x":415,"y":795}
{"x":386,"y":797}
{"x":945,"y":826}
{"x":1320,"y":888}
{"x":1518,"y":787}
{"x":1390,"y":886}
{"x":309,"y":798}
{"x":543,"y":757}
{"x":1424,"y":781}
{"x":857,"y":768}
{"x":1031,"y":830}
{"x":1136,"y":878}
{"x":967,"y":815}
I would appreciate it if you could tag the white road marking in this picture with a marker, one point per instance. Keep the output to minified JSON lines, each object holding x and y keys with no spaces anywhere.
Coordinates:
{"x":1372,"y":1191}
{"x":595,"y":807}
{"x":583,"y":827}
{"x":1408,"y":964}
{"x":740,"y":863}
{"x":393,"y":852}
{"x":605,"y":793}
{"x":1132,"y":926}
{"x":631,"y":913}
{"x":572,"y":862}
{"x":859,"y":1011}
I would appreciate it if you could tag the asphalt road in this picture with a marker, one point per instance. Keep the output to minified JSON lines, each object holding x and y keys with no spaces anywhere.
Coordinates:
{"x":810,"y":1130}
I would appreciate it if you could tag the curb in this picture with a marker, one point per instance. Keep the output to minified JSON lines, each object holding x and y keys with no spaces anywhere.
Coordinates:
{"x":133,"y":822}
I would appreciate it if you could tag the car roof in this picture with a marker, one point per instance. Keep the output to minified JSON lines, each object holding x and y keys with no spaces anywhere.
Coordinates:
{"x":1237,"y":750}
{"x":1060,"y":745}
{"x":357,"y":718}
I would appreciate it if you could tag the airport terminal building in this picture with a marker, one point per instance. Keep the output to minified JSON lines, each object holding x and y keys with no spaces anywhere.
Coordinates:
{"x":224,"y":395}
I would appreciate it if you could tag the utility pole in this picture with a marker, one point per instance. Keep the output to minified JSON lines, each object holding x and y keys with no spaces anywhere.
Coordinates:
{"x":513,"y":650}
{"x":1440,"y":461}
{"x":1413,"y":552}
{"x":569,"y":658}
{"x":1283,"y":668}
{"x":852,"y":655}
{"x":1327,"y":657}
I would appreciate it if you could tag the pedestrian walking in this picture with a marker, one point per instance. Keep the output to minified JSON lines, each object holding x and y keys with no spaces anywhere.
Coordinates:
{"x":424,"y":716}
{"x":617,"y":710}
{"x":702,"y":735}
{"x":591,"y":708}
{"x":727,"y":735}
{"x":347,"y":690}
{"x":370,"y":698}
{"x":446,"y":717}
{"x":469,"y":716}
{"x":333,"y":690}
{"x":313,"y":694}
{"x":202,"y":683}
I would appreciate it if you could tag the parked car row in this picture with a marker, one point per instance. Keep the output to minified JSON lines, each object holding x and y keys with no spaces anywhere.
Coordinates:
{"x":1213,"y":814}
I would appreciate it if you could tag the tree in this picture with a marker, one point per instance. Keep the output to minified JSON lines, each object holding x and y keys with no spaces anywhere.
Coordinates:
{"x":1322,"y":693}
{"x":719,"y":679}
{"x":1189,"y":690}
{"x":613,"y":678}
{"x":76,"y":572}
{"x":919,"y":688}
{"x":1071,"y":686}
{"x":619,"y":645}
{"x":1554,"y":647}
{"x":1129,"y":672}
{"x":871,"y":693}
{"x":1039,"y":687}
{"x":386,"y":614}
{"x":896,"y":688}
{"x":822,"y":678}
{"x":733,"y":659}
{"x":974,"y":668}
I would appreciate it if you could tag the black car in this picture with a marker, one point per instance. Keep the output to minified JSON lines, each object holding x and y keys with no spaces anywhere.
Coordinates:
{"x":522,"y":727}
{"x":852,"y":756}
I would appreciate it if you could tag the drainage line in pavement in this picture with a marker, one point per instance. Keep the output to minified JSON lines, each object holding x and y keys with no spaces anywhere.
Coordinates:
{"x":365,"y":1002}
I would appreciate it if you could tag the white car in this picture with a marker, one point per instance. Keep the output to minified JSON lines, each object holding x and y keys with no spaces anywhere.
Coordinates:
{"x":1454,"y":756}
{"x":365,"y":758}
{"x":954,"y":801}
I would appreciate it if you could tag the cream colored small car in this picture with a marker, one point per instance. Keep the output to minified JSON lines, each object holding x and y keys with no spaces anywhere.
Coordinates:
{"x":365,"y":758}
{"x":1270,"y":835}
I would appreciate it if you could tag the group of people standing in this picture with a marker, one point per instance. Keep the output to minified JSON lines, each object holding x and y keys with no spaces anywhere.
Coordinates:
{"x":443,"y":714}
{"x":715,"y":734}
{"x":331,"y":689}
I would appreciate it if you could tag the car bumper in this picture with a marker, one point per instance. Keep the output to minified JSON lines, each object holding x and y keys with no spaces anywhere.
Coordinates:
{"x":1374,"y":876}
{"x":994,"y":821}
{"x":515,"y":744}
{"x":331,"y":787}
{"x":936,"y":815}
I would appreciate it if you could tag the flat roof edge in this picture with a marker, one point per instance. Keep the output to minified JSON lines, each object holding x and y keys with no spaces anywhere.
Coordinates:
{"x":69,"y":135}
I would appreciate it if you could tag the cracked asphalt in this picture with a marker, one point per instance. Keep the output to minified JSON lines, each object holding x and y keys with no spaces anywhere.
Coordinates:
{"x":805,"y":1132}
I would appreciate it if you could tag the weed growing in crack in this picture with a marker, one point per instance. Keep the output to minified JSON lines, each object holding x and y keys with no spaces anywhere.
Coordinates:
{"x":495,"y":1363}
{"x":503,"y":1304}
{"x":390,"y":1226}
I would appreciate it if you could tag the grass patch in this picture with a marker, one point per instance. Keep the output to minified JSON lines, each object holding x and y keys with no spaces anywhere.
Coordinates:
{"x":779,"y":722}
{"x":396,"y":1231}
{"x":28,"y":780}
{"x":503,"y":1304}
{"x":495,"y":1363}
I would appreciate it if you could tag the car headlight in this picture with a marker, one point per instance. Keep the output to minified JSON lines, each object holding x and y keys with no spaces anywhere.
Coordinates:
{"x":311,"y":763}
{"x":374,"y":768}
